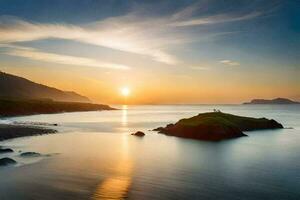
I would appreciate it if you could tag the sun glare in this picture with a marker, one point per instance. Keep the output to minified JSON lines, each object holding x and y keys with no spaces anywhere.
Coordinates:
{"x":125,"y":91}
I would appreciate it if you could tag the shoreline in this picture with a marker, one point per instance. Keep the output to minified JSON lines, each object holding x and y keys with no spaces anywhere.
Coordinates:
{"x":8,"y":131}
{"x":14,"y":108}
{"x":6,"y":117}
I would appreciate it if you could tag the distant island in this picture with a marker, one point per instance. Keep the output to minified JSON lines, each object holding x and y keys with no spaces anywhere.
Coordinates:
{"x":215,"y":126}
{"x":16,"y":87}
{"x":272,"y":101}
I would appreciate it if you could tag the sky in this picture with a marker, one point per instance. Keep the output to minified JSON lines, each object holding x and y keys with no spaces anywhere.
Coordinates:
{"x":164,"y":52}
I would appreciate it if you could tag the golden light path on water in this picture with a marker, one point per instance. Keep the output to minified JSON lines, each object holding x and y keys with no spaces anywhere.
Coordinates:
{"x":117,"y":185}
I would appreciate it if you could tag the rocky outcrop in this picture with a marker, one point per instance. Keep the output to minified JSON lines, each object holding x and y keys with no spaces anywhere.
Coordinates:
{"x":7,"y":161}
{"x":30,"y":154}
{"x":139,"y":134}
{"x":216,"y":126}
{"x":5,"y":150}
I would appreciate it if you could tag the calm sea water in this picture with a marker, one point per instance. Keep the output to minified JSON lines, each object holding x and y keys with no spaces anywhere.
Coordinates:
{"x":95,"y":157}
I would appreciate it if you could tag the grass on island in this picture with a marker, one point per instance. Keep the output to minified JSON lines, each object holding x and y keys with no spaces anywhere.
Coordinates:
{"x":220,"y":118}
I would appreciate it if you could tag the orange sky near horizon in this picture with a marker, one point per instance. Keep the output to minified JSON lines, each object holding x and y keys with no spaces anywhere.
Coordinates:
{"x":149,"y":88}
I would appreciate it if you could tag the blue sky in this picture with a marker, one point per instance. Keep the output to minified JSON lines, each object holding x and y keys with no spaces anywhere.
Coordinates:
{"x":253,"y":45}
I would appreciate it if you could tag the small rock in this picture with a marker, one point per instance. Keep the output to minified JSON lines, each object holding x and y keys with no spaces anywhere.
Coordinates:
{"x":139,"y":133}
{"x":7,"y":161}
{"x":30,"y":154}
{"x":158,"y":129}
{"x":8,"y":150}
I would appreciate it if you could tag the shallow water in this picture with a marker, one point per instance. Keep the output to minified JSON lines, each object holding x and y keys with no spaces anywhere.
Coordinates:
{"x":95,"y":157}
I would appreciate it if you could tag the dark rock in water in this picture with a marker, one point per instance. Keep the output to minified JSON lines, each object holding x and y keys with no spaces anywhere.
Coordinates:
{"x":158,"y":129}
{"x":7,"y":161}
{"x":139,"y":133}
{"x":216,"y":126}
{"x":7,"y":150}
{"x":30,"y":154}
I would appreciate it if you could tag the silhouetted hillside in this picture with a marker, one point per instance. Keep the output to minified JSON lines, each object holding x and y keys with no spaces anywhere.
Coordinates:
{"x":12,"y":86}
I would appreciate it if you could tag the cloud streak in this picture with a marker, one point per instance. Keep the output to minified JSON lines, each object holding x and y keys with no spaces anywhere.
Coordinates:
{"x":230,"y":63}
{"x":34,"y":54}
{"x":221,"y":18}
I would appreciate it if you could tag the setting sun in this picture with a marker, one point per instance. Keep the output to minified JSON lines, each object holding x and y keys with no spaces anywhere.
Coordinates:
{"x":125,"y":91}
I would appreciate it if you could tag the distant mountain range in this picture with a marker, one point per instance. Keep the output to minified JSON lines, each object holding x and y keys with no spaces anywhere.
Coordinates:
{"x":16,"y":87}
{"x":272,"y":101}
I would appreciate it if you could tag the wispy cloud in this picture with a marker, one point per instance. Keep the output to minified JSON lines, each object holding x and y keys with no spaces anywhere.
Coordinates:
{"x":221,"y":18}
{"x":146,"y":36}
{"x":127,"y":33}
{"x":34,"y":54}
{"x":230,"y":63}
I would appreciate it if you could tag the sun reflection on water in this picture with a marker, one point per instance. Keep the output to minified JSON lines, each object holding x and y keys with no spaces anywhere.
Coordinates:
{"x":124,"y":116}
{"x":117,"y":185}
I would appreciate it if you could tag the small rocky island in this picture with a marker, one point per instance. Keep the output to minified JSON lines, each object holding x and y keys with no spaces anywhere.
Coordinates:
{"x":215,"y":126}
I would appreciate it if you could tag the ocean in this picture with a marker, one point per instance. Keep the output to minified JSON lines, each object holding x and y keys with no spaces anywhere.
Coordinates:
{"x":94,"y":157}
